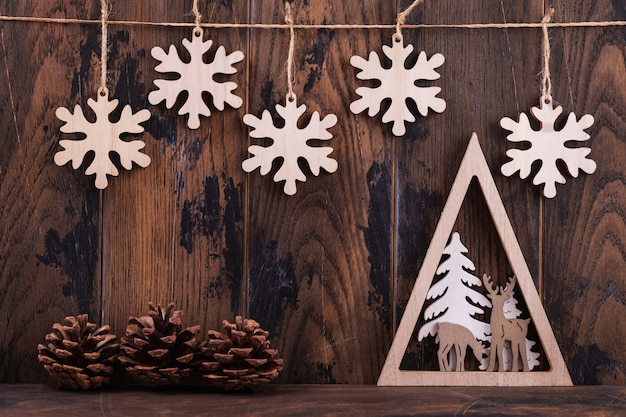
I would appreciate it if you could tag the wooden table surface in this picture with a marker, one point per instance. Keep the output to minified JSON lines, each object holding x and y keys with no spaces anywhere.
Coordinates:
{"x":26,"y":400}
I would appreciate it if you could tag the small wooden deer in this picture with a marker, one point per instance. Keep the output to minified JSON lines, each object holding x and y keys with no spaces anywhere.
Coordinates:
{"x":503,"y":329}
{"x":452,"y":335}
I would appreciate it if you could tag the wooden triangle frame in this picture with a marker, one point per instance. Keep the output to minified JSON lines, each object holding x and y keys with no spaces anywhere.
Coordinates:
{"x":474,"y":164}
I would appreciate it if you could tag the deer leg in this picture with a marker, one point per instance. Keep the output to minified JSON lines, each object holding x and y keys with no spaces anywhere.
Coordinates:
{"x":457,"y":353}
{"x":524,"y":355}
{"x":440,"y":357}
{"x":514,"y":356}
{"x":500,"y":356}
{"x":492,"y":356}
{"x":501,"y":363}
{"x":460,"y":357}
{"x":442,"y":353}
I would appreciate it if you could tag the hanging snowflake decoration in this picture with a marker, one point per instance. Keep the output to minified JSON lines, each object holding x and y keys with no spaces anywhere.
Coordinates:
{"x":548,"y":146}
{"x":196,"y":77}
{"x":290,"y":144}
{"x":399,"y":84}
{"x":102,"y":137}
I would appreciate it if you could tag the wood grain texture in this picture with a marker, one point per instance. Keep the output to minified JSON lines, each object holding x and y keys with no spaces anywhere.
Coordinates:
{"x":328,"y":271}
{"x":49,"y":246}
{"x":320,"y":260}
{"x":487,"y":75}
{"x":316,"y":400}
{"x":174,"y":232}
{"x":585,"y":285}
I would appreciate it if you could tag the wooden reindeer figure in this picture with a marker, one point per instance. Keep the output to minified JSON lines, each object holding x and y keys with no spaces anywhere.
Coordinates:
{"x":503,"y":329}
{"x":452,"y":335}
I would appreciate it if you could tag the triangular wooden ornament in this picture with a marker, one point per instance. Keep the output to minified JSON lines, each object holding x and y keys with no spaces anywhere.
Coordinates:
{"x":474,"y":164}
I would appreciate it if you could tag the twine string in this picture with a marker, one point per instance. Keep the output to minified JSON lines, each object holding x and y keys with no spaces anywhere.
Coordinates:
{"x":546,"y":82}
{"x":197,"y":16}
{"x":290,"y":63}
{"x":214,"y":25}
{"x":402,"y":17}
{"x":103,"y":48}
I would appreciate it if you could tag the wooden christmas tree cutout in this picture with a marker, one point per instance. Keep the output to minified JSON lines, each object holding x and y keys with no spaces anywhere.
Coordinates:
{"x":474,"y":165}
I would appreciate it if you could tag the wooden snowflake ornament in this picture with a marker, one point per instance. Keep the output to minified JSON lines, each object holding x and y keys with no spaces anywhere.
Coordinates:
{"x":196,"y":77}
{"x":102,"y":137}
{"x":399,"y":84}
{"x":548,"y":145}
{"x":290,"y":144}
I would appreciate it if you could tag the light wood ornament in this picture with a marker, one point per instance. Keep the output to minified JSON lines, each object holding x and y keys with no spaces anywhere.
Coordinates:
{"x":399,"y":84}
{"x":102,"y":137}
{"x":548,"y":145}
{"x":503,"y":329}
{"x":474,"y":165}
{"x":196,"y":77}
{"x":456,"y":295}
{"x":454,"y":336}
{"x":290,"y":144}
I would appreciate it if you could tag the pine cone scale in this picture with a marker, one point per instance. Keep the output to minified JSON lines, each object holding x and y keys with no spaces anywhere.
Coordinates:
{"x":92,"y":356}
{"x":186,"y":358}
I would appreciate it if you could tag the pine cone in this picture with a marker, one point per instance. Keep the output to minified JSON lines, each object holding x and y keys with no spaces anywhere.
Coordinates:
{"x":78,"y":354}
{"x":157,"y":349}
{"x":240,"y":358}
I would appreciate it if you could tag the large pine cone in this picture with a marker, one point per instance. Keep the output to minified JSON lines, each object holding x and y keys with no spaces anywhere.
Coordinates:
{"x":240,"y":358}
{"x":78,"y":354}
{"x":157,"y":349}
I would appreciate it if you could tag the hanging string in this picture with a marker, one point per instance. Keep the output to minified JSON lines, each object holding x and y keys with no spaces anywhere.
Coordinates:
{"x":402,"y":17}
{"x":546,"y":82}
{"x":103,"y":49}
{"x":197,"y":14}
{"x":510,"y":25}
{"x":290,"y":65}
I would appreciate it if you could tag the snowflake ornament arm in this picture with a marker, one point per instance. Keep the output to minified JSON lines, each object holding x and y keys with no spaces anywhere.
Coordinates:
{"x":102,"y":137}
{"x":195,"y":78}
{"x":398,"y":83}
{"x":290,"y":144}
{"x":548,"y":146}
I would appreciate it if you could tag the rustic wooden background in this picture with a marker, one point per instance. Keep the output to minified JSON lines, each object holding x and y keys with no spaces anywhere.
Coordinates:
{"x":329,"y":270}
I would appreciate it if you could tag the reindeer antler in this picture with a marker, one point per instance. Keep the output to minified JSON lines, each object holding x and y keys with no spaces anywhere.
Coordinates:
{"x":489,"y":284}
{"x":495,"y":289}
{"x":509,"y":285}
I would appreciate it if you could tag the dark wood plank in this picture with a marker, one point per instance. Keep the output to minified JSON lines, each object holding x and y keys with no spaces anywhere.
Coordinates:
{"x":319,"y":261}
{"x":488,"y":74}
{"x":317,"y":400}
{"x":585,"y":231}
{"x":327,"y":271}
{"x":49,"y":245}
{"x":174,"y":231}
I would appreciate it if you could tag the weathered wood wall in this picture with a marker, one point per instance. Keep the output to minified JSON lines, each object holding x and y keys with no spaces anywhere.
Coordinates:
{"x":329,"y":270}
{"x":584,"y":237}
